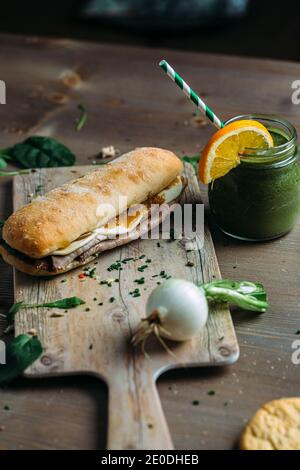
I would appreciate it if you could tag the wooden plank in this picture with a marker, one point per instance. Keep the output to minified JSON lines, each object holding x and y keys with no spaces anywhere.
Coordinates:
{"x":96,"y":339}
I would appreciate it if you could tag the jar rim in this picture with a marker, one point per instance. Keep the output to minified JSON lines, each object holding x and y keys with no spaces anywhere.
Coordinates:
{"x":279,"y":154}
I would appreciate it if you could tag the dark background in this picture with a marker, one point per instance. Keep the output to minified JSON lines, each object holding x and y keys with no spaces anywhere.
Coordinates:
{"x":266,"y":29}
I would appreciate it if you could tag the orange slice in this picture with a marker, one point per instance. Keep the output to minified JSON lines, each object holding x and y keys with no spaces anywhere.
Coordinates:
{"x":223,"y":150}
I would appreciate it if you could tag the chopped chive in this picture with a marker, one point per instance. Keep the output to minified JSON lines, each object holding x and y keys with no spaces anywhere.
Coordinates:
{"x":82,"y":118}
{"x":142,"y":268}
{"x":115,"y":266}
{"x":125,"y":260}
{"x":90,"y":272}
{"x":39,"y":188}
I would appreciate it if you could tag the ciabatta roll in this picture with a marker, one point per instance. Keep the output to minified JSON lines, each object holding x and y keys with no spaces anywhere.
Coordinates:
{"x":51,"y":223}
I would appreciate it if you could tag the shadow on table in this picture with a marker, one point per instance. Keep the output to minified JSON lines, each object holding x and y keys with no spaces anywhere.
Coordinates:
{"x":79,"y":404}
{"x":78,"y":419}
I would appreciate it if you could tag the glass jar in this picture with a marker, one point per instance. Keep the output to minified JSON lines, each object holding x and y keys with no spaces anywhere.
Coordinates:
{"x":260,"y":198}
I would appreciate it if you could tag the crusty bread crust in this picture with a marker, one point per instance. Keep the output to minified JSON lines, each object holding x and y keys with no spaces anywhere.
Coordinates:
{"x":53,"y":221}
{"x":147,"y":224}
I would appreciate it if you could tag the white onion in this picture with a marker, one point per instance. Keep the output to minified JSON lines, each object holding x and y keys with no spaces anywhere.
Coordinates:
{"x":176,"y":310}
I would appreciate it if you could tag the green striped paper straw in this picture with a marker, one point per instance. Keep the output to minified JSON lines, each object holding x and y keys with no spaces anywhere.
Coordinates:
{"x":187,"y":90}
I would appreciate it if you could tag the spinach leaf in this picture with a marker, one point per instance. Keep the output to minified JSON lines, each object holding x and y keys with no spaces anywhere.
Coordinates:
{"x":2,"y":222}
{"x":21,"y":352}
{"x":13,"y":310}
{"x":4,"y":155}
{"x":41,"y":152}
{"x":69,"y":302}
{"x":82,"y":118}
{"x":3,"y":163}
{"x":193,"y":161}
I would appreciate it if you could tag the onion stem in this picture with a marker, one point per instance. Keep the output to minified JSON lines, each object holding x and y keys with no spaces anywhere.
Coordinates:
{"x":245,"y":294}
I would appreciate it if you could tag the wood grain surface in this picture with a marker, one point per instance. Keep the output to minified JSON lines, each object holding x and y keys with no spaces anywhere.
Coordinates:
{"x":95,"y":338}
{"x":132,"y":103}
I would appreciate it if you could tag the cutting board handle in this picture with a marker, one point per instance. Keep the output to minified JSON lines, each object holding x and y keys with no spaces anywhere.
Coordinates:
{"x":136,"y":419}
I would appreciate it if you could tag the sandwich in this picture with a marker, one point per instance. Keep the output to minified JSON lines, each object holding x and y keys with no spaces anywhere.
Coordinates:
{"x":72,"y":224}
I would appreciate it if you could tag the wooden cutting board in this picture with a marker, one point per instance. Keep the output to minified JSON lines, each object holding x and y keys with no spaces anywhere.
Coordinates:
{"x":95,"y":339}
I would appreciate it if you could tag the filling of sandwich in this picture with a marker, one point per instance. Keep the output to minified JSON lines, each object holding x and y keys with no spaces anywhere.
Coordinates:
{"x":126,"y":222}
{"x":121,"y":226}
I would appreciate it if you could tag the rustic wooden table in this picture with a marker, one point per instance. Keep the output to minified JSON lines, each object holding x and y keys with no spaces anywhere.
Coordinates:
{"x":131,"y":103}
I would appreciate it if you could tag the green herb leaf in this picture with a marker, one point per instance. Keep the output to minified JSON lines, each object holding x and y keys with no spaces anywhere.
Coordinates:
{"x":2,"y":222}
{"x":70,"y":302}
{"x":39,"y":189}
{"x":193,"y":161}
{"x":82,"y":118}
{"x":12,"y":311}
{"x":21,"y":352}
{"x":245,"y":294}
{"x":41,"y":152}
{"x":67,"y":303}
{"x":4,"y":155}
{"x":3,"y":163}
{"x":90,"y":272}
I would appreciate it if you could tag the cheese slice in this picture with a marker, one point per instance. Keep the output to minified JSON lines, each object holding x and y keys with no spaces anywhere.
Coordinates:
{"x":124,"y":223}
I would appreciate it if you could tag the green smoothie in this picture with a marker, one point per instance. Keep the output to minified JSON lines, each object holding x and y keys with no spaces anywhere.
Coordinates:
{"x":260,"y":199}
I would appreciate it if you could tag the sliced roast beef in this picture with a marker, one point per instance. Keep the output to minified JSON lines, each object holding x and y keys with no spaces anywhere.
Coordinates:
{"x":59,"y":262}
{"x":96,"y":246}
